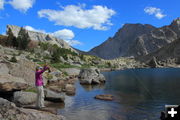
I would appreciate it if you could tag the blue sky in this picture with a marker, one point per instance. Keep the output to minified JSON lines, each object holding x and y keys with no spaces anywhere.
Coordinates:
{"x":85,"y":23}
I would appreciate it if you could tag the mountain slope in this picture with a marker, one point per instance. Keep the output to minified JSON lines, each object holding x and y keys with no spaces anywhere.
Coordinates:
{"x":168,"y":54}
{"x":119,"y":44}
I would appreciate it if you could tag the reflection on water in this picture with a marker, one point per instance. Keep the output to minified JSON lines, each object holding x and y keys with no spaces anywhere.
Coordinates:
{"x":91,"y":87}
{"x":140,"y":94}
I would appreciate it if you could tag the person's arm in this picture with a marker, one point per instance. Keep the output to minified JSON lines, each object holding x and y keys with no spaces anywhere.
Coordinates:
{"x":43,"y":70}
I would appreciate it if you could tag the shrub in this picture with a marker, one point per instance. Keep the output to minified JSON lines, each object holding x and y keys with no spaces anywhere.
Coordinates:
{"x":3,"y":40}
{"x":49,"y":76}
{"x":36,"y":60}
{"x":44,"y":45}
{"x":13,"y":59}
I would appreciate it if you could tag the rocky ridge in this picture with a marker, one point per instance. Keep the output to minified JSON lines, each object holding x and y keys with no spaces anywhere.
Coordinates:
{"x":156,"y":39}
{"x":40,"y":37}
{"x":137,"y":40}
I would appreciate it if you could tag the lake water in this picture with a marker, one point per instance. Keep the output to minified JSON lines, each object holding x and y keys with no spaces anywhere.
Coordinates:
{"x":140,"y":94}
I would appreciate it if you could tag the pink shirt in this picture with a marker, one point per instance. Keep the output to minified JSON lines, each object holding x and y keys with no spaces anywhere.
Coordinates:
{"x":38,"y":76}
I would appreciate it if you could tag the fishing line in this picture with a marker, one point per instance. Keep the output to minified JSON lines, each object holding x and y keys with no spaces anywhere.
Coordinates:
{"x":146,"y":89}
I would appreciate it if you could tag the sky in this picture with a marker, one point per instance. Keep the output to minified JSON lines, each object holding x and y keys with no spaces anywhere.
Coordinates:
{"x":85,"y":24}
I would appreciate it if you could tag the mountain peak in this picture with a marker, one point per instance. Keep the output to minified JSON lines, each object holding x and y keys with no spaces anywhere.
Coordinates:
{"x":136,"y":25}
{"x":137,"y":39}
{"x":120,"y":43}
{"x":176,"y":21}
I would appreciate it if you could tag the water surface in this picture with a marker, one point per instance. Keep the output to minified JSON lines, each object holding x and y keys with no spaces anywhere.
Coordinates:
{"x":140,"y":94}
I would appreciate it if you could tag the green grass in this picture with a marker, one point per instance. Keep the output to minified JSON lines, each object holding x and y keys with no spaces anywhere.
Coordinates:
{"x":65,"y":73}
{"x":60,"y":65}
{"x":31,"y":90}
{"x":86,"y":66}
{"x":41,"y":63}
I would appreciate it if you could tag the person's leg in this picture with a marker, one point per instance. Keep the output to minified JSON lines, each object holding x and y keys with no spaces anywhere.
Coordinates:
{"x":38,"y":97}
{"x":42,"y":96}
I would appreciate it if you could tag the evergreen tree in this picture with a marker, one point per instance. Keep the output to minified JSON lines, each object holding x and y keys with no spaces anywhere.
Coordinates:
{"x":23,"y":39}
{"x":11,"y":39}
{"x":55,"y":57}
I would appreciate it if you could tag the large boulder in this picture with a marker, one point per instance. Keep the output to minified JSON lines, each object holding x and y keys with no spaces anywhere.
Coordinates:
{"x":9,"y":111}
{"x":3,"y":69}
{"x":91,"y":76}
{"x":24,"y":98}
{"x":54,"y":96}
{"x":11,"y":83}
{"x":24,"y":69}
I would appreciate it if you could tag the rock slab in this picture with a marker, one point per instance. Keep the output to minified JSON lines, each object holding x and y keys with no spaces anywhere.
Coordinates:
{"x":104,"y":97}
{"x":9,"y":111}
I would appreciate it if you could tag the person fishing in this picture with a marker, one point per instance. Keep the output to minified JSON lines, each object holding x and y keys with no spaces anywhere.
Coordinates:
{"x":39,"y":84}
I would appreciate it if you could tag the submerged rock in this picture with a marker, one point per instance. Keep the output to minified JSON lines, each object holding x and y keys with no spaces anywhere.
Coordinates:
{"x":104,"y":97}
{"x":91,"y":76}
{"x":70,"y":89}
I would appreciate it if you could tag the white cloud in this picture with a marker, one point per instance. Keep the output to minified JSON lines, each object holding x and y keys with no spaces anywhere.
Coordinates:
{"x":22,"y":5}
{"x":64,"y":34}
{"x":73,"y":42}
{"x":157,"y":12}
{"x":98,"y":17}
{"x":33,"y":29}
{"x":1,"y":4}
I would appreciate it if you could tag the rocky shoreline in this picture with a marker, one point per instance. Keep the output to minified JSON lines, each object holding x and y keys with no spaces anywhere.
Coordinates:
{"x":17,"y":90}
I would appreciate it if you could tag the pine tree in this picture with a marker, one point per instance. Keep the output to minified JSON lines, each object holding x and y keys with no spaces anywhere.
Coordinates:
{"x":11,"y":39}
{"x":55,"y":57}
{"x":23,"y":39}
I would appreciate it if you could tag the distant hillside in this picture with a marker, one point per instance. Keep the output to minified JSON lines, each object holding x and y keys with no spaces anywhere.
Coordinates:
{"x":137,"y":40}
